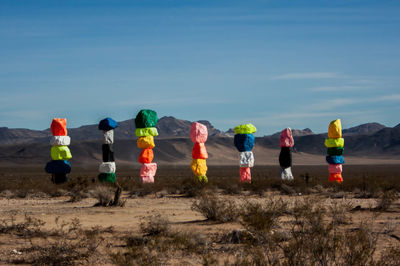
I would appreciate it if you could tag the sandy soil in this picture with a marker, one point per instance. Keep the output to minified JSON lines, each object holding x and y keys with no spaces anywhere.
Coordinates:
{"x":177,"y":209}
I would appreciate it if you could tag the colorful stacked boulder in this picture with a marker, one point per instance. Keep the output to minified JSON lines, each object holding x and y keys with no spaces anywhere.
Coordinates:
{"x":285,"y":156}
{"x":146,"y":121}
{"x":244,"y":142}
{"x":199,"y":134}
{"x":107,"y":168}
{"x":59,"y":166}
{"x":335,"y":144}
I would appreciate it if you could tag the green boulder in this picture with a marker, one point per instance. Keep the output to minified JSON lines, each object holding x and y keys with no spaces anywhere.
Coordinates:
{"x":335,"y":151}
{"x":107,"y":177}
{"x":146,"y":118}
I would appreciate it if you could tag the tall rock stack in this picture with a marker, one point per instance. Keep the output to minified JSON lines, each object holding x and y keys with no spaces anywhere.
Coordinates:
{"x":146,"y":121}
{"x":199,"y":134}
{"x":107,"y":168}
{"x":335,"y":144}
{"x":285,"y":156}
{"x":59,"y":166}
{"x":244,"y":142}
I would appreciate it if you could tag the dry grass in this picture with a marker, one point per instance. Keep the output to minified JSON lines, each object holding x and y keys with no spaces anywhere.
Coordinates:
{"x":315,"y":228}
{"x":214,"y":209}
{"x":67,"y":244}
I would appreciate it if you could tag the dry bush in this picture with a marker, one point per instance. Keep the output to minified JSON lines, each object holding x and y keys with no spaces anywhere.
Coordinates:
{"x":214,"y":209}
{"x":155,"y":225}
{"x":107,"y":197}
{"x":262,"y":218}
{"x":315,"y":236}
{"x":135,"y":256}
{"x":389,"y":257}
{"x":252,"y":256}
{"x":358,"y":246}
{"x":158,"y":244}
{"x":339,"y":211}
{"x":29,"y":227}
{"x":103,"y":194}
{"x":66,"y":244}
{"x":78,"y":188}
{"x":386,"y":200}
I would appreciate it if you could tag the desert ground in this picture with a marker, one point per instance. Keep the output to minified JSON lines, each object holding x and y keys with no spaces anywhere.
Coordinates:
{"x":177,"y":221}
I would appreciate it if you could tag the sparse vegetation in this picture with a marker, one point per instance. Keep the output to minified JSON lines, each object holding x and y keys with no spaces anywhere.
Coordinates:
{"x":267,"y":222}
{"x":214,"y":209}
{"x":66,"y":244}
{"x":107,"y":197}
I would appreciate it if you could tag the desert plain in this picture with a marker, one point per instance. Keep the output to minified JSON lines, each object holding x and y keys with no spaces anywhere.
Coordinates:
{"x":177,"y":221}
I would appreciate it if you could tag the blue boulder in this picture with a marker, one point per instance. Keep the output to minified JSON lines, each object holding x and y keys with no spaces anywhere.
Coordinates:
{"x":244,"y":142}
{"x":58,"y":167}
{"x":335,"y":159}
{"x":108,"y":124}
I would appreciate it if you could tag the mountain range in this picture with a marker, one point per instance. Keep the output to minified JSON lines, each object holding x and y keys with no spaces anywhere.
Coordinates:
{"x":173,"y":145}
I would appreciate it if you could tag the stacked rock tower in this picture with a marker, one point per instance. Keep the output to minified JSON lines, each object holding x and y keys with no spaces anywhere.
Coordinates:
{"x":244,"y":142}
{"x":335,"y":144}
{"x":107,"y":168}
{"x":285,"y":156}
{"x":145,"y":122}
{"x":59,"y":166}
{"x":199,"y":134}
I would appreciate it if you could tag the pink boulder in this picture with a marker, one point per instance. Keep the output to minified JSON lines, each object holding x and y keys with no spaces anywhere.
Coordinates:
{"x":198,"y":132}
{"x":147,"y":179}
{"x":148,"y":169}
{"x":335,"y":168}
{"x":287,"y":138}
{"x":245,"y":174}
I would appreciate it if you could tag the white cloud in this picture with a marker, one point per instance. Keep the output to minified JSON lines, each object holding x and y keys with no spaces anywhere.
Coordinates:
{"x":195,"y":100}
{"x":393,"y":97}
{"x":309,"y":75}
{"x":331,"y":104}
{"x":22,"y":114}
{"x":338,"y":88}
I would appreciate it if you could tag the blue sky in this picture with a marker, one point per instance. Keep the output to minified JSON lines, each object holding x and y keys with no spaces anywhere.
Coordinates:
{"x":271,"y":63}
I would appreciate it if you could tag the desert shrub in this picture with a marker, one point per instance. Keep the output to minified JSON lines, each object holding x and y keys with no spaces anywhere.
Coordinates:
{"x":155,"y":225}
{"x":29,"y":227}
{"x":103,"y":194}
{"x":158,"y":243}
{"x":209,"y":259}
{"x":215,"y":209}
{"x":78,"y":188}
{"x":136,"y":255}
{"x":193,"y":188}
{"x":386,"y":200}
{"x":106,"y":195}
{"x":65,"y":245}
{"x":339,"y":211}
{"x":389,"y":257}
{"x":358,"y":246}
{"x":63,"y":252}
{"x":261,"y":218}
{"x":251,"y":256}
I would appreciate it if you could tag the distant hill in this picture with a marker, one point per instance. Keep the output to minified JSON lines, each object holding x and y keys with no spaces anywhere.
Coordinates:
{"x":296,"y":133}
{"x":364,"y":129}
{"x":173,"y":145}
{"x":167,"y":127}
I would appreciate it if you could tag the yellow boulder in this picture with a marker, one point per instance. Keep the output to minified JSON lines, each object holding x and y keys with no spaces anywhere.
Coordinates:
{"x":335,"y":129}
{"x":199,"y":167}
{"x":145,"y":142}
